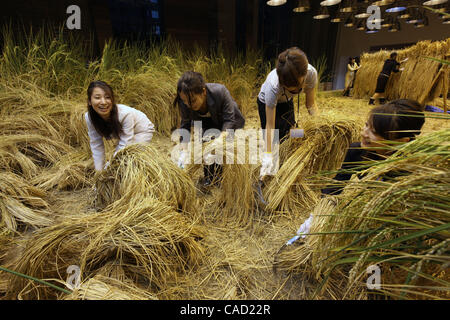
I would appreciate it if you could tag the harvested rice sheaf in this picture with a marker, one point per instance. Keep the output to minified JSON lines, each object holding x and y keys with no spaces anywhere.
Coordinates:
{"x":404,"y":84}
{"x":142,"y":171}
{"x":104,"y":288}
{"x":152,"y":242}
{"x":21,"y":202}
{"x":400,"y":223}
{"x":322,"y":149}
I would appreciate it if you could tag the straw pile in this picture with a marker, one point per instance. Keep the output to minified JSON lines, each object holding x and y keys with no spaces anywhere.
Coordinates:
{"x":22,"y":203}
{"x":400,"y":223}
{"x":152,"y":242}
{"x":415,"y":82}
{"x":104,"y":288}
{"x":323,"y":149}
{"x":141,"y":172}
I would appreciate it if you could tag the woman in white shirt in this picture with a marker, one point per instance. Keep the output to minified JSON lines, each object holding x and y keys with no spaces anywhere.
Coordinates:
{"x":106,"y":119}
{"x":352,"y":67}
{"x":292,"y":75}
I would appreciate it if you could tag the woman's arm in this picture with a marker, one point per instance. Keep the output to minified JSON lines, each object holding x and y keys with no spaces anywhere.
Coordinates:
{"x":97,"y":146}
{"x":270,"y":125}
{"x":311,"y":101}
{"x":127,"y":131}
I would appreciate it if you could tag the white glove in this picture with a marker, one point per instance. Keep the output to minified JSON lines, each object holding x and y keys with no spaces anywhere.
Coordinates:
{"x":182,"y":159}
{"x":106,"y":165}
{"x":267,"y":166}
{"x":304,"y":228}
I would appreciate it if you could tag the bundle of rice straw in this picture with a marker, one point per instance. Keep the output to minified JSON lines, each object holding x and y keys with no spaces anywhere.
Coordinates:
{"x":153,"y":92}
{"x":415,"y":82}
{"x":41,"y":150}
{"x":141,"y":171}
{"x":104,"y":288}
{"x":234,"y":204}
{"x":400,"y":223}
{"x":323,"y":149}
{"x":20,"y":201}
{"x":152,"y":242}
{"x":71,"y":172}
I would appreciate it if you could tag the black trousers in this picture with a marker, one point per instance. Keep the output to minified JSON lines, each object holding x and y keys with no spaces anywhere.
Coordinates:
{"x":284,"y":117}
{"x":212,"y":172}
{"x":382,"y":81}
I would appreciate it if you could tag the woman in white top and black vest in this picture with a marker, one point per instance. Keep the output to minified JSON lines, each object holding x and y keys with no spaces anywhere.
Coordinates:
{"x":292,"y":75}
{"x":106,"y":119}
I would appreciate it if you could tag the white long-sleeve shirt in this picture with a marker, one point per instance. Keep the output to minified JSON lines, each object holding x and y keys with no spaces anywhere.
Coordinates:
{"x":136,"y":128}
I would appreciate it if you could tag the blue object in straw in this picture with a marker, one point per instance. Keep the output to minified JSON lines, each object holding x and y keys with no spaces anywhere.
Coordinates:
{"x":434,"y":109}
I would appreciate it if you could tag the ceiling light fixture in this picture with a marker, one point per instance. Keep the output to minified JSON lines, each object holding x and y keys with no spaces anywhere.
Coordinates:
{"x":275,"y":3}
{"x":302,"y":6}
{"x":347,"y":6}
{"x":327,"y":3}
{"x":322,"y":14}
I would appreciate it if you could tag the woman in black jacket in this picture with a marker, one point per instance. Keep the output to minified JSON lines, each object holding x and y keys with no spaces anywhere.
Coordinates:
{"x":390,"y":65}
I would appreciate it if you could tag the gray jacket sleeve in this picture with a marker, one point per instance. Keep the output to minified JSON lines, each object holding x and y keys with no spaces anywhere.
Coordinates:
{"x":185,"y":117}
{"x":229,"y":107}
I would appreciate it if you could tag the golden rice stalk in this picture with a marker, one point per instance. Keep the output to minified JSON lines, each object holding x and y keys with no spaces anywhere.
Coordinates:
{"x":20,"y":201}
{"x":42,"y":150}
{"x":71,"y":172}
{"x":406,"y":206}
{"x":12,"y":160}
{"x":154,"y":242}
{"x":239,"y":161}
{"x":153,"y":92}
{"x":143,"y":171}
{"x":323,"y":148}
{"x":17,"y":211}
{"x":415,"y":82}
{"x":104,"y":288}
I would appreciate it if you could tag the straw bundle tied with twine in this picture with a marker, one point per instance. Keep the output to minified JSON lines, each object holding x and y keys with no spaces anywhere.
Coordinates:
{"x":415,"y":82}
{"x":400,"y":223}
{"x":323,"y":148}
{"x":152,"y":242}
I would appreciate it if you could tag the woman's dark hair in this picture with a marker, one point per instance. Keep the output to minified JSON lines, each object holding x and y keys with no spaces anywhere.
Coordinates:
{"x":397,"y":119}
{"x":190,"y":82}
{"x":108,"y":129}
{"x":350,"y":60}
{"x":394,"y":55}
{"x":291,"y":65}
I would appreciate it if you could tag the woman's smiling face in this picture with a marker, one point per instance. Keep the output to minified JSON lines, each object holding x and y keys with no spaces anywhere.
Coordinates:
{"x":102,"y":102}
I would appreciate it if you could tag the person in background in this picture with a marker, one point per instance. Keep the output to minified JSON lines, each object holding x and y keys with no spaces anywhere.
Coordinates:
{"x":210,"y":103}
{"x":106,"y":119}
{"x":293,"y":74}
{"x":358,"y":62}
{"x":390,"y":65}
{"x":398,"y":121}
{"x":352,"y":67}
